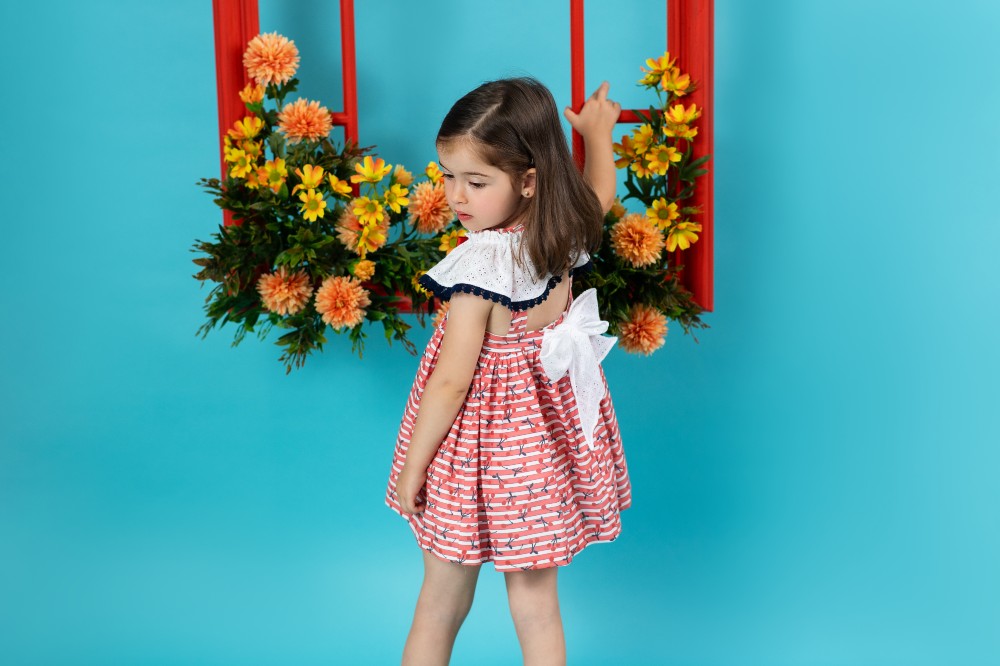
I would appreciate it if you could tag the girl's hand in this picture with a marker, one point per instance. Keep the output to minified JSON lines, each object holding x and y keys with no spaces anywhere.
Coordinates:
{"x":598,"y":116}
{"x":408,"y":486}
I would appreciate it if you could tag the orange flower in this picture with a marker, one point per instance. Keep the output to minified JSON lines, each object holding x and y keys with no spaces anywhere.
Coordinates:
{"x":636,"y":239}
{"x":247,"y":128}
{"x":282,"y":293}
{"x":440,"y":314}
{"x":429,"y":210}
{"x":252,"y":94}
{"x":617,"y":209}
{"x":341,"y":301}
{"x":364,"y":269}
{"x":402,"y":176}
{"x":304,"y":120}
{"x":644,"y":331}
{"x":624,"y":150}
{"x":675,"y":82}
{"x":271,"y":58}
{"x":350,"y":231}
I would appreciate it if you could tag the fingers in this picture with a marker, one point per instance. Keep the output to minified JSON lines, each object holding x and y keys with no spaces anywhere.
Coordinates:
{"x":571,"y":115}
{"x":601,"y":93}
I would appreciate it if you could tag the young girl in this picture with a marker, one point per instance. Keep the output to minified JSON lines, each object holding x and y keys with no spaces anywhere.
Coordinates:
{"x":509,"y":450}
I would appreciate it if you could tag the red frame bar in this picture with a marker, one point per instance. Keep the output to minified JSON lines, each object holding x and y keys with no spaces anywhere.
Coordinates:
{"x":691,"y":39}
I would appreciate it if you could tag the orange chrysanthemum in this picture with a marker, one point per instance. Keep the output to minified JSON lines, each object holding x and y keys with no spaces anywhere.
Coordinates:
{"x":283,"y":293}
{"x":644,"y":331}
{"x":341,"y":301}
{"x":429,"y":210}
{"x":364,"y":269}
{"x":301,"y":120}
{"x":637,"y":240}
{"x":271,"y":58}
{"x":349,"y":230}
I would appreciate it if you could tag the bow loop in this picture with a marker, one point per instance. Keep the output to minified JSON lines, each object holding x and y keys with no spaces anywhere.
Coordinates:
{"x":577,"y":346}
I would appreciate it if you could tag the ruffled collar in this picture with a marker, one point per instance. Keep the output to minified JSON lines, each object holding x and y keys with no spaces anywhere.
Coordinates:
{"x":485,"y":265}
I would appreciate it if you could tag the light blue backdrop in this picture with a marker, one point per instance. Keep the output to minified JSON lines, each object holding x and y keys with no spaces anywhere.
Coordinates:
{"x":814,"y":480}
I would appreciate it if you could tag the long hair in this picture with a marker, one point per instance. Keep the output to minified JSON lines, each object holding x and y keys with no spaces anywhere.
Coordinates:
{"x":513,"y":125}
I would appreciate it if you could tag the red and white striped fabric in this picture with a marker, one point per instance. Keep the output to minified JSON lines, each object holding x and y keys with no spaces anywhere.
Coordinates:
{"x":513,"y":482}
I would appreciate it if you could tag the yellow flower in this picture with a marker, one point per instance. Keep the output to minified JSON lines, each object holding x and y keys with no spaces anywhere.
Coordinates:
{"x":642,"y":138}
{"x":433,"y":172}
{"x":662,"y":213}
{"x":617,"y":209}
{"x":625,"y":151}
{"x":657,"y":66}
{"x":660,"y":157}
{"x":242,"y":164}
{"x":311,"y":177}
{"x":395,"y":198}
{"x":449,"y":241}
{"x":252,"y":94}
{"x":415,"y":281}
{"x":678,"y":120}
{"x":340,"y":187}
{"x":641,"y":168}
{"x":273,"y":174}
{"x":675,"y":82}
{"x":682,"y":235}
{"x":252,"y":148}
{"x":678,"y":115}
{"x":251,"y":180}
{"x":247,"y":128}
{"x":313,"y":205}
{"x":372,"y":238}
{"x":402,"y":176}
{"x":369,"y":211}
{"x":364,"y":269}
{"x":370,"y":171}
{"x":680,"y":131}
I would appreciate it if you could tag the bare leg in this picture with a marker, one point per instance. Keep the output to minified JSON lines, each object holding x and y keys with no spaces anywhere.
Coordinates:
{"x":444,"y":602}
{"x":534,"y":605}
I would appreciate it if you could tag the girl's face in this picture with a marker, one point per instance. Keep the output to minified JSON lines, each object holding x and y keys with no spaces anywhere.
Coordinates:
{"x":482,"y":196}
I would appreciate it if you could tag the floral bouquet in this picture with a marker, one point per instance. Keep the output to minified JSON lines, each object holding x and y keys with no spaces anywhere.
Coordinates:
{"x":637,"y":281}
{"x":310,"y":246}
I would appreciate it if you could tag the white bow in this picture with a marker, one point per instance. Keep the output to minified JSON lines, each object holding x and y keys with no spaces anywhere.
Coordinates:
{"x":577,"y":346}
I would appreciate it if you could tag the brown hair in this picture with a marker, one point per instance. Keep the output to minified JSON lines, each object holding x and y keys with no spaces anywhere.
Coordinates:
{"x":513,"y":125}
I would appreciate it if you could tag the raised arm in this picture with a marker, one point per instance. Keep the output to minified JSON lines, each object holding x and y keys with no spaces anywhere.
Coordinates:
{"x":595,"y":123}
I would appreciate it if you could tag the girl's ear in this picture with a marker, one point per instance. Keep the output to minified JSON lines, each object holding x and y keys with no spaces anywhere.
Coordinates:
{"x":528,"y":183}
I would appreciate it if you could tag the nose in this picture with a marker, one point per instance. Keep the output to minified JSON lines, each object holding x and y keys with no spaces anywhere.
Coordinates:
{"x":457,"y":192}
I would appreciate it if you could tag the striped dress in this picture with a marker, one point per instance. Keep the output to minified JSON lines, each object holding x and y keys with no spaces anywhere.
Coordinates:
{"x":513,"y":482}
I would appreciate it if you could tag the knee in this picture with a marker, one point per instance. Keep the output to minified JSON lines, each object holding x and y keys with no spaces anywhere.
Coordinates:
{"x":533,"y":597}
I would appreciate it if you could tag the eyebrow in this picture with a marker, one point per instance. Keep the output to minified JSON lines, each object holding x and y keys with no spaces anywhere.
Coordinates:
{"x":465,"y":173}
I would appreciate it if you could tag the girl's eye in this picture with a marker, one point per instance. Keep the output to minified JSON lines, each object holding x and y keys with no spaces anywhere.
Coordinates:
{"x":448,"y":176}
{"x":477,"y":185}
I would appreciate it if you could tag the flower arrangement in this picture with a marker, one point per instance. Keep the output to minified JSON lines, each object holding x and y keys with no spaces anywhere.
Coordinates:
{"x":311,"y":246}
{"x":637,"y":282}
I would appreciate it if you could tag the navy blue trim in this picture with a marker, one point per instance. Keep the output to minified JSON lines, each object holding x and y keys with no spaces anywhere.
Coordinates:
{"x":445,"y":293}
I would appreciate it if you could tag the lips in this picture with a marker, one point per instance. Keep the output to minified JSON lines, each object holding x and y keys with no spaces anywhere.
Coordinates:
{"x":463,"y":216}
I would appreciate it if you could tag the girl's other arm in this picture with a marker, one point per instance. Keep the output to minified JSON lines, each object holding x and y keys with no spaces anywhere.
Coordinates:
{"x":444,"y":393}
{"x":595,"y":123}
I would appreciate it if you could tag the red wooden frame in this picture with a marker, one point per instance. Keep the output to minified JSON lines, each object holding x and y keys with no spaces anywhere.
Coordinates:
{"x":690,"y":38}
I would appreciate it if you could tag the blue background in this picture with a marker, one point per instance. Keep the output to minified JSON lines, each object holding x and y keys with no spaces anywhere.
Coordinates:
{"x":814,"y":480}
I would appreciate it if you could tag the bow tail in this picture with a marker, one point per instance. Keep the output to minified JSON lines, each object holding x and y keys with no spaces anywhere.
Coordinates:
{"x":588,"y":390}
